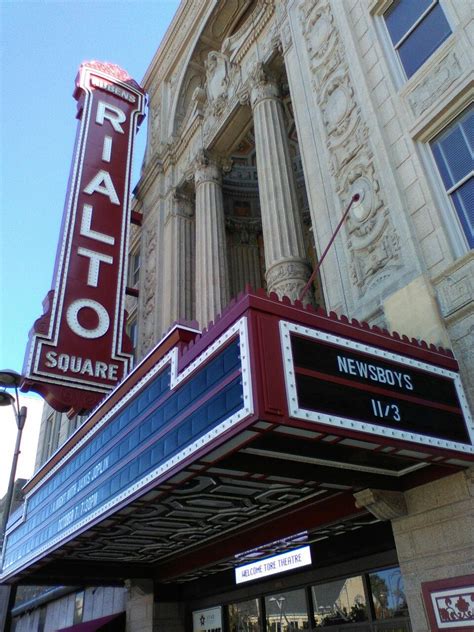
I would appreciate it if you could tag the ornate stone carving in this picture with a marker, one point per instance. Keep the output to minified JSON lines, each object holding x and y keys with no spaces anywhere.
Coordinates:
{"x":180,"y":206}
{"x":218,"y":78}
{"x":286,"y":39}
{"x":245,"y":230}
{"x":367,"y":262}
{"x":366,"y":218}
{"x":262,"y":85}
{"x":238,"y":44}
{"x":437,"y":82}
{"x":318,"y":29}
{"x":199,"y":100}
{"x":455,"y":288}
{"x":154,"y":125}
{"x":149,"y":291}
{"x":338,"y":104}
{"x":288,"y":278}
{"x":206,"y":169}
{"x":225,"y":92}
{"x":373,"y":242}
{"x":344,"y":149}
{"x":384,"y":505}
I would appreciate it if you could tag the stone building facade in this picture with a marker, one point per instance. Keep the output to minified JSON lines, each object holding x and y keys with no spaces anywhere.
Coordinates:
{"x":265,"y":118}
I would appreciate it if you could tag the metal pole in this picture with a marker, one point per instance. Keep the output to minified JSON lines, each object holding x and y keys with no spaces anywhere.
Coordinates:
{"x":21,"y":416}
{"x":355,"y":198}
{"x":8,"y":593}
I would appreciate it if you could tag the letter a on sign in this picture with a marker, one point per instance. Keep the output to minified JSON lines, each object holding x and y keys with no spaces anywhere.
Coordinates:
{"x":84,"y":314}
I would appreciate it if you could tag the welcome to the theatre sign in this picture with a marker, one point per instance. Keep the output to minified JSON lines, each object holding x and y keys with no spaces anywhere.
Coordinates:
{"x":78,"y":350}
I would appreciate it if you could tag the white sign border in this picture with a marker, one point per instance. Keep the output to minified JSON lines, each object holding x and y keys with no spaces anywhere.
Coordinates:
{"x":307,"y":560}
{"x":294,"y":409}
{"x":240,"y":329}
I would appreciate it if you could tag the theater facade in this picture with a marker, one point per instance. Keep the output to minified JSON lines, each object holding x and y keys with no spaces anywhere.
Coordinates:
{"x":294,"y":448}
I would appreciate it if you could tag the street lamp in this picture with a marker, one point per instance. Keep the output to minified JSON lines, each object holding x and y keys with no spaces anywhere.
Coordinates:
{"x":11,"y":379}
{"x":279,"y":602}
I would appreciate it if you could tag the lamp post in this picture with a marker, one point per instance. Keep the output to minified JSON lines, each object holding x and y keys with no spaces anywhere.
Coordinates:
{"x":10,"y":379}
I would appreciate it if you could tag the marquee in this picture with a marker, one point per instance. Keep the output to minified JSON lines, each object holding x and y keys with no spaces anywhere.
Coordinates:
{"x":212,"y":425}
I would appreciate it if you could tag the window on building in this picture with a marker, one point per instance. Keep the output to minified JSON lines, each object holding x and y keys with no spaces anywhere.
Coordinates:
{"x":388,"y":594}
{"x":287,"y":611}
{"x":132,"y":331}
{"x":453,"y":151}
{"x":244,"y":615}
{"x":133,"y":269}
{"x":340,"y":602}
{"x":417,"y":28}
{"x":51,"y":435}
{"x":75,"y":422}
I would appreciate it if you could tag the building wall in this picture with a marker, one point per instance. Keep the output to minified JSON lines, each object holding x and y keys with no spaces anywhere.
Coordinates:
{"x":435,"y":539}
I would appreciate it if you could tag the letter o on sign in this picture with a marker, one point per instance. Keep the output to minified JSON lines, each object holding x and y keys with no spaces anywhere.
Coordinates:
{"x":73,"y":322}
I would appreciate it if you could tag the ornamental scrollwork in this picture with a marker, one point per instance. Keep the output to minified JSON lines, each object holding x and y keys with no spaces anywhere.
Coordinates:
{"x":372,"y":239}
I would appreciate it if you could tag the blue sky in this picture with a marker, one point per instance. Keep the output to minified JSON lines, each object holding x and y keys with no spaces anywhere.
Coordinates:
{"x":43,"y":44}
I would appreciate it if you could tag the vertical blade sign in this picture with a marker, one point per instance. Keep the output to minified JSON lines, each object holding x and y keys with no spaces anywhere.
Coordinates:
{"x":78,"y":350}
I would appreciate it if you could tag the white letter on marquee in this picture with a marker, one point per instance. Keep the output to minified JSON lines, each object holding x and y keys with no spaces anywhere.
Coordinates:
{"x":112,"y":113}
{"x":86,"y":227}
{"x":94,"y":264}
{"x":95,"y":185}
{"x":74,"y":309}
{"x":107,"y":149}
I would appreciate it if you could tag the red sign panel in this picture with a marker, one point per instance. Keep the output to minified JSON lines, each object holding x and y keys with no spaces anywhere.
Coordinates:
{"x":78,"y":350}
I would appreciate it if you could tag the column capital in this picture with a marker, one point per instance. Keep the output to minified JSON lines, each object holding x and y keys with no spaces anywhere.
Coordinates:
{"x":288,"y":277}
{"x":180,"y":204}
{"x":209,"y":167}
{"x":263,"y":85}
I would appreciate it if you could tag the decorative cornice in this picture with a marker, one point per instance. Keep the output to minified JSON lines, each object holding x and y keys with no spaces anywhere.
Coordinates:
{"x":383,"y":504}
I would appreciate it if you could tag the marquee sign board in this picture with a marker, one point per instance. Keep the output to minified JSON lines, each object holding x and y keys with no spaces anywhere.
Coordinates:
{"x":358,"y":400}
{"x":78,"y":350}
{"x":348,"y":384}
{"x":160,"y":422}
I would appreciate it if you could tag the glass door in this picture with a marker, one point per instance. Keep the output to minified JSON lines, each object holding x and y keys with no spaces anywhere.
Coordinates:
{"x":369,"y":602}
{"x":244,"y":616}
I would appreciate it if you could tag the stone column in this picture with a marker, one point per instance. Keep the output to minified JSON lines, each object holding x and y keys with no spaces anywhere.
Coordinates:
{"x":285,"y":261}
{"x":140,"y":605}
{"x":212,"y":277}
{"x":244,"y":254}
{"x":178,"y":267}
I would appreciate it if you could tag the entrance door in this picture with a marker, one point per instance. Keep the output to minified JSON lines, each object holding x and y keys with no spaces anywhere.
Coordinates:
{"x":371,"y":602}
